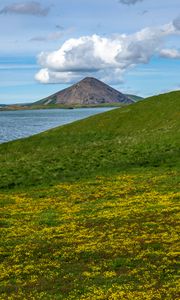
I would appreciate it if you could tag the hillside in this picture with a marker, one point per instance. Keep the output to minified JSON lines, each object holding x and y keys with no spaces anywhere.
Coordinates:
{"x":134,"y":97}
{"x":90,"y":210}
{"x":145,"y":134}
{"x":89,"y":91}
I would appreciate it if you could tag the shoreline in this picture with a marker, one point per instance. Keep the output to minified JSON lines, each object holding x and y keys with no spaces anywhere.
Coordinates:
{"x":38,"y":107}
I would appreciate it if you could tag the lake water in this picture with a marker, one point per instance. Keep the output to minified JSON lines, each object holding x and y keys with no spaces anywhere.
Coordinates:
{"x":24,"y":123}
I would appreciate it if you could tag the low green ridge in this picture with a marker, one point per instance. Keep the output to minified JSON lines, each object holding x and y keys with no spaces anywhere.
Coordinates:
{"x":134,"y":97}
{"x":144,"y":134}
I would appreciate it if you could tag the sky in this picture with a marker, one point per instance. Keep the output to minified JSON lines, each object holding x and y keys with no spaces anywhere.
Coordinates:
{"x":47,"y":45}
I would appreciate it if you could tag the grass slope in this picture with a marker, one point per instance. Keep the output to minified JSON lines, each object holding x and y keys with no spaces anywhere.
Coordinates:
{"x":112,"y":238}
{"x":113,"y":233}
{"x":144,"y":134}
{"x":134,"y":97}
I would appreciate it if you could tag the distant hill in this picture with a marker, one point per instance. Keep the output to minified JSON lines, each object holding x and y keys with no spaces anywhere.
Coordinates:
{"x":89,"y":91}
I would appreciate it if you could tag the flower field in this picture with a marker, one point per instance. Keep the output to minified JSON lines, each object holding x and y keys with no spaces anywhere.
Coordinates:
{"x":105,"y":238}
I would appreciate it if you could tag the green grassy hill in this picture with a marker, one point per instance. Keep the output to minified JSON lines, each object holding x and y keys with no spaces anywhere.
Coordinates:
{"x":144,"y":134}
{"x":134,"y":97}
{"x":90,"y":210}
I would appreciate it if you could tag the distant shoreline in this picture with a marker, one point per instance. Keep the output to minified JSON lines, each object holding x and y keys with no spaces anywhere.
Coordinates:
{"x":54,"y":106}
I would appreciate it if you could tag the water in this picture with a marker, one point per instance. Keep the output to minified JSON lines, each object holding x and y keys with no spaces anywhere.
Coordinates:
{"x":24,"y":123}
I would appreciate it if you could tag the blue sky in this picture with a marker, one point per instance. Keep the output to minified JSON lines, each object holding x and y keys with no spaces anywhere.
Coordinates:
{"x":133,"y":45}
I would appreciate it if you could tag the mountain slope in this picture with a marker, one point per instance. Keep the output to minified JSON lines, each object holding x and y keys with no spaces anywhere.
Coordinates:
{"x":145,"y":134}
{"x":87,"y":92}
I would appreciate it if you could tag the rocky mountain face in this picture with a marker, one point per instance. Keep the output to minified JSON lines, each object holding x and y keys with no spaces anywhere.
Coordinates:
{"x":89,"y":91}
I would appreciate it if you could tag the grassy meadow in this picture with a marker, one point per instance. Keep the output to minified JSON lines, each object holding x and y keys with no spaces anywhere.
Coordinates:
{"x":90,"y":210}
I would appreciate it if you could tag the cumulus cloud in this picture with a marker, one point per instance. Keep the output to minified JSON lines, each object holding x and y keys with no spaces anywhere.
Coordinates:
{"x":101,"y":57}
{"x":170,"y":53}
{"x":26,"y":8}
{"x":129,"y":2}
{"x":49,"y":76}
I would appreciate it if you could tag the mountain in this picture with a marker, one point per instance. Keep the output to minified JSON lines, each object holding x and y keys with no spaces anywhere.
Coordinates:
{"x":89,"y":91}
{"x":2,"y":105}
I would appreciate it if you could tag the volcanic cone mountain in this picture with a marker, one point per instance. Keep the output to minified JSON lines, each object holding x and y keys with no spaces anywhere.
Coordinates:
{"x":89,"y":91}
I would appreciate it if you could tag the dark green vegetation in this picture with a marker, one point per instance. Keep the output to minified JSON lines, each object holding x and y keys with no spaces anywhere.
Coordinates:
{"x":63,"y":106}
{"x":145,"y":134}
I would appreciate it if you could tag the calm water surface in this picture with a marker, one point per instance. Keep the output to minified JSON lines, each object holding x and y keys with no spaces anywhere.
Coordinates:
{"x":24,"y":123}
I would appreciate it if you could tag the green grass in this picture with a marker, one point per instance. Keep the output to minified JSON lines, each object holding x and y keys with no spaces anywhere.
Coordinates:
{"x":90,"y":210}
{"x":138,"y":136}
{"x":134,"y":97}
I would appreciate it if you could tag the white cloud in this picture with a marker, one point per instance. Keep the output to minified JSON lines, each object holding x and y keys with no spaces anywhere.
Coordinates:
{"x":47,"y":76}
{"x":26,"y":8}
{"x":129,"y":2}
{"x":101,"y":57}
{"x":170,"y":53}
